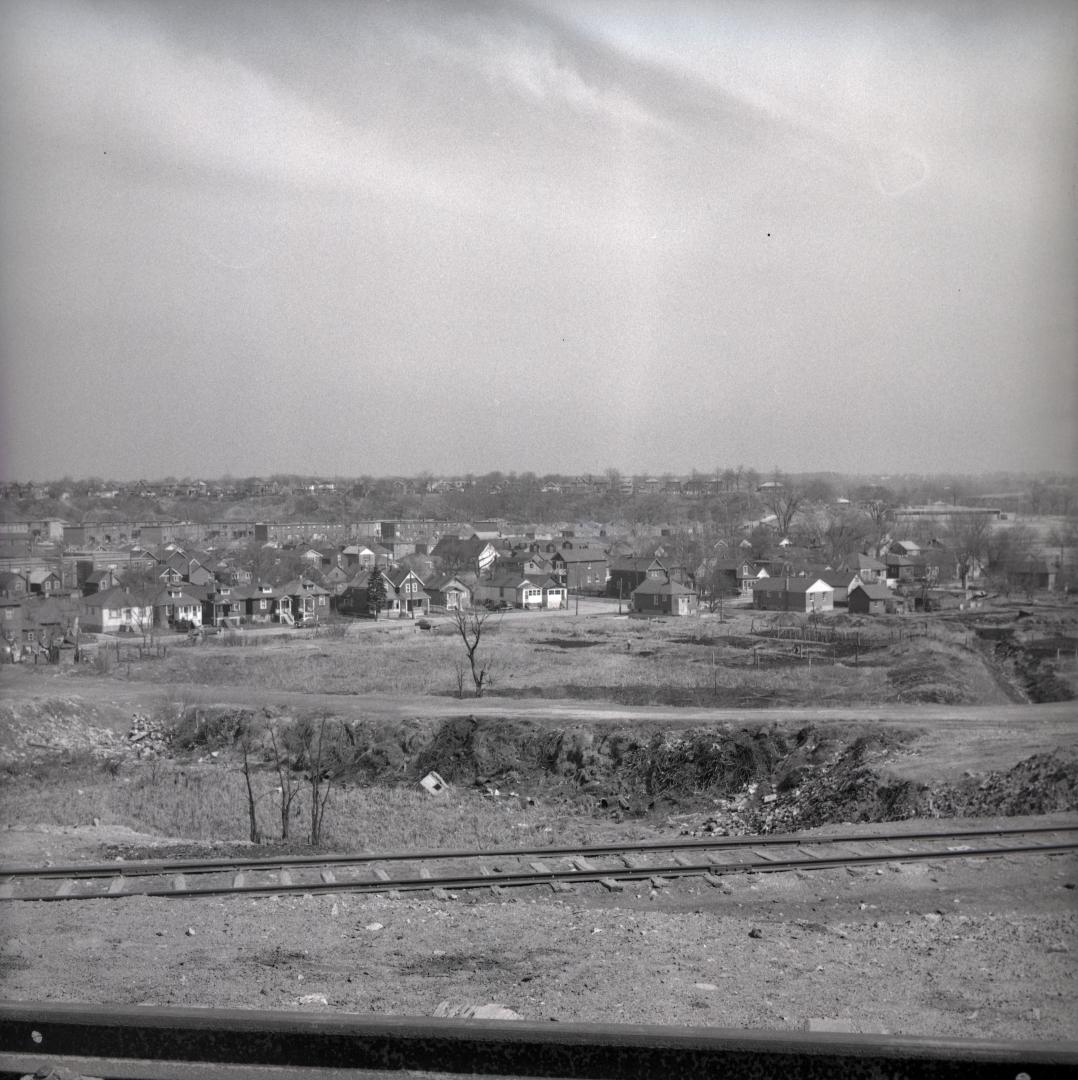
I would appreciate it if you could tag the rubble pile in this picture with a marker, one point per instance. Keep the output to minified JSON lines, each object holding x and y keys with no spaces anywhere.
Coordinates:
{"x":55,"y":730}
{"x":148,"y":736}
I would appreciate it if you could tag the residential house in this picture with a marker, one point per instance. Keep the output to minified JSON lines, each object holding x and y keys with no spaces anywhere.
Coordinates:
{"x":99,"y":581}
{"x":262,"y":603}
{"x":175,"y":609}
{"x":555,"y":595}
{"x":336,"y":580}
{"x":802,"y":594}
{"x":868,"y":598}
{"x":627,"y":572}
{"x":406,"y":595}
{"x":44,"y":582}
{"x":841,"y":581}
{"x":448,"y":592}
{"x":10,"y":617}
{"x":509,"y":590}
{"x":869,"y":569}
{"x":657,"y":597}
{"x":734,"y":577}
{"x":115,"y":611}
{"x":362,"y":556}
{"x":309,"y":602}
{"x":901,"y":569}
{"x":527,"y":563}
{"x":904,"y":547}
{"x":580,"y":569}
{"x":1031,"y":574}
{"x":13,"y":586}
{"x":472,"y":554}
{"x":223,"y":606}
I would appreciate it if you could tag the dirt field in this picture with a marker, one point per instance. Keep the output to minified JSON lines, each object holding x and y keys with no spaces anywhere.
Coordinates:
{"x":977,"y":948}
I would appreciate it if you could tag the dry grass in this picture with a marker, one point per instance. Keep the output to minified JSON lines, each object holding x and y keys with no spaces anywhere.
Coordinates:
{"x":674,"y":661}
{"x":209,"y":804}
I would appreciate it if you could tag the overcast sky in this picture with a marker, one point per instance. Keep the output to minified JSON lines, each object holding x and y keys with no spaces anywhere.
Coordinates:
{"x":385,"y":237}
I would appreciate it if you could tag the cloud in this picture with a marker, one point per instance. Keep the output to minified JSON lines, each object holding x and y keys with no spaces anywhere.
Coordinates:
{"x":152,"y":102}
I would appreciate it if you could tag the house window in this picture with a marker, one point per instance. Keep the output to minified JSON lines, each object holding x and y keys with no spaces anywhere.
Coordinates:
{"x":263,"y":604}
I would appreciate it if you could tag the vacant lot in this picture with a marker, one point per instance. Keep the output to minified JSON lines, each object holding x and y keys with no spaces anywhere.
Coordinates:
{"x":595,"y":727}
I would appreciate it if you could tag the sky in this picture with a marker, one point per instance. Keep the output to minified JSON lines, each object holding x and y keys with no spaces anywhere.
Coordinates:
{"x":346,"y":238}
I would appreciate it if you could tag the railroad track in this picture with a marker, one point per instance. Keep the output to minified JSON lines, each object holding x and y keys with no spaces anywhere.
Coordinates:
{"x":559,"y":868}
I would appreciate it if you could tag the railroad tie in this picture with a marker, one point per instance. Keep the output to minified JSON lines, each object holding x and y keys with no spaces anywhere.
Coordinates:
{"x":380,"y":873}
{"x":327,"y":875}
{"x":116,"y":885}
{"x":6,"y":890}
{"x":424,"y":872}
{"x":67,"y":888}
{"x":284,"y":877}
{"x":683,"y":860}
{"x":767,"y":856}
{"x":631,"y":861}
{"x":555,"y":885}
{"x":611,"y":884}
{"x":713,"y":880}
{"x":583,"y":865}
{"x":179,"y":883}
{"x":239,"y":880}
{"x":440,"y":894}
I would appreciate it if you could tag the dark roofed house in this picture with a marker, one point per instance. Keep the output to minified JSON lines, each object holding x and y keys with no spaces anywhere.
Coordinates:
{"x":656,"y":597}
{"x":580,"y":569}
{"x":472,"y":554}
{"x":406,"y":594}
{"x":803,"y":594}
{"x":1032,"y":573}
{"x":511,"y":590}
{"x":449,"y":592}
{"x":310,"y":602}
{"x":176,"y":609}
{"x":13,"y":586}
{"x":627,"y":572}
{"x":869,"y":569}
{"x":841,"y":581}
{"x":868,"y":598}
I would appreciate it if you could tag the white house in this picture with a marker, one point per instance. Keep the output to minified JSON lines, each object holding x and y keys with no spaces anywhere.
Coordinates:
{"x":115,"y":611}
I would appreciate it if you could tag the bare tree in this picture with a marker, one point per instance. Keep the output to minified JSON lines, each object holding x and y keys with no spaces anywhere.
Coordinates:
{"x":288,"y":787}
{"x":250,"y":742}
{"x":785,"y":501}
{"x":470,"y":624}
{"x":320,"y":746}
{"x":969,"y":537}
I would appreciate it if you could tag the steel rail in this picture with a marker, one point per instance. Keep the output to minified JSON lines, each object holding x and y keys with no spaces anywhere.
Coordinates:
{"x":609,"y":877}
{"x":146,"y":1042}
{"x":109,"y":869}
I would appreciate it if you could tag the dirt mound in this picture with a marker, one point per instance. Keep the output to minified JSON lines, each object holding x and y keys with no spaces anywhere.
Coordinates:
{"x":1042,"y":784}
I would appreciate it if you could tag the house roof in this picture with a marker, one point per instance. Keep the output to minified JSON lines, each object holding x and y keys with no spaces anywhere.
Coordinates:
{"x":116,"y":597}
{"x":838,"y":579}
{"x":445,"y":581}
{"x":510,"y":581}
{"x":867,"y":562}
{"x":303,"y":587}
{"x":655,"y":586}
{"x":792,"y":585}
{"x":166,"y":596}
{"x":873,"y":591}
{"x":579,"y":555}
{"x":630,"y":564}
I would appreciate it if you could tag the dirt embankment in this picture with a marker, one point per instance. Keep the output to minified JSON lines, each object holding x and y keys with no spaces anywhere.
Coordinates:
{"x":722,"y":777}
{"x":760,"y":780}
